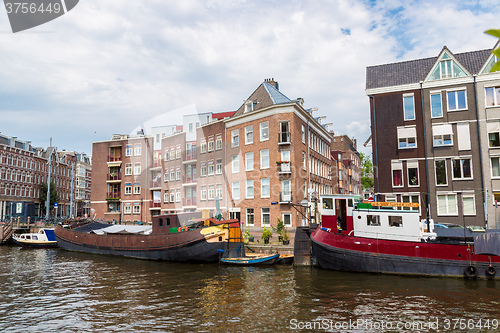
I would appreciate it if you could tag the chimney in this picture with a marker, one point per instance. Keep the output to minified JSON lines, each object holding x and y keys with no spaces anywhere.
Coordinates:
{"x":355,"y":143}
{"x":273,"y":83}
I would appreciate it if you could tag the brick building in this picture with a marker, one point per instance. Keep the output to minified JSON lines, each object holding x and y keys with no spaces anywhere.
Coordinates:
{"x":347,"y":165}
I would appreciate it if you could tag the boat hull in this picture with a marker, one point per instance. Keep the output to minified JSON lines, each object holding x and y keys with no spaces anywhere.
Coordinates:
{"x":348,"y":253}
{"x":184,"y":246}
{"x":32,"y":244}
{"x":253,"y":260}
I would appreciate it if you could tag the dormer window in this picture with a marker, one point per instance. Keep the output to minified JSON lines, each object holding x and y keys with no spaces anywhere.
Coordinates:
{"x":249,"y":106}
{"x":446,"y":68}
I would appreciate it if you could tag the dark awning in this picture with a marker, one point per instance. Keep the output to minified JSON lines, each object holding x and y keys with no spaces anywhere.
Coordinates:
{"x":488,"y":243}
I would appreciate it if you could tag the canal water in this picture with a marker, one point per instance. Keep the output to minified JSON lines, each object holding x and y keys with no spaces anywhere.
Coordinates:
{"x":52,"y":290}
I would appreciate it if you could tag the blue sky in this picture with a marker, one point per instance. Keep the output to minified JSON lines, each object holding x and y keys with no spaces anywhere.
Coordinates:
{"x":107,"y":66}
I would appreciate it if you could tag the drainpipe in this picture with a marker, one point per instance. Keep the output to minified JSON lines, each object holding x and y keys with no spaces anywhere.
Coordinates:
{"x":226,"y":184}
{"x":374,"y":144}
{"x":427,"y":206}
{"x":485,"y":204}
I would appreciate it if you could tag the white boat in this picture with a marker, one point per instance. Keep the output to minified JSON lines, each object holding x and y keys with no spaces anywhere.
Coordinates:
{"x":43,"y":238}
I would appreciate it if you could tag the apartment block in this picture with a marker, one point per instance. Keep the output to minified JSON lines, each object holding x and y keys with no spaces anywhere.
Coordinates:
{"x":431,"y":124}
{"x":346,"y":170}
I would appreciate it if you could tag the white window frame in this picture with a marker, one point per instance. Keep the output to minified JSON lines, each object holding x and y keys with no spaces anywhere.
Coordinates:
{"x":445,"y":172}
{"x":235,"y":163}
{"x":447,"y":196}
{"x":469,"y":195}
{"x":283,"y":218}
{"x":498,"y":168}
{"x":166,"y":196}
{"x":248,"y":214}
{"x":137,"y":149}
{"x":461,"y":169}
{"x":218,"y":191}
{"x":203,"y":193}
{"x":412,"y":165}
{"x":128,"y":189}
{"x":203,"y":146}
{"x":177,"y":174}
{"x":211,"y":169}
{"x":218,"y":142}
{"x":128,"y":169}
{"x":262,"y":216}
{"x":434,"y":93}
{"x":248,"y":134}
{"x":137,"y":209}
{"x":249,"y":163}
{"x":211,"y":144}
{"x":203,"y":171}
{"x":211,"y":192}
{"x":235,"y":138}
{"x":268,"y":185}
{"x":263,"y":153}
{"x":234,"y":186}
{"x":303,"y":128}
{"x":137,"y":168}
{"x":496,"y":98}
{"x":264,"y":128}
{"x":127,"y":209}
{"x":397,"y":166}
{"x":172,"y":196}
{"x":128,"y":150}
{"x":249,"y":184}
{"x":137,"y":189}
{"x":455,"y":93}
{"x":405,"y":112}
{"x":177,"y":196}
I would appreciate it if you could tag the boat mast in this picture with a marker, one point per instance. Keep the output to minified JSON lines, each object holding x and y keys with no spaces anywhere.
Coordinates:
{"x":47,"y":200}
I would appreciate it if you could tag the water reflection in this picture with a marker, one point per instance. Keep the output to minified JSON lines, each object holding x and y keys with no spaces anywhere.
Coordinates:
{"x":55,"y":290}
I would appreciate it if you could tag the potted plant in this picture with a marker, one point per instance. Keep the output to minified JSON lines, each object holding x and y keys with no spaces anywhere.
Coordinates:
{"x":266,"y":235}
{"x":285,"y":237}
{"x":247,"y":237}
{"x":280,"y":226}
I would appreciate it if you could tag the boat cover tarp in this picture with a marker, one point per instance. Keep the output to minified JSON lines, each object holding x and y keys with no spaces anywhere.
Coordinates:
{"x":50,"y":235}
{"x":488,"y":243}
{"x":125,"y":229}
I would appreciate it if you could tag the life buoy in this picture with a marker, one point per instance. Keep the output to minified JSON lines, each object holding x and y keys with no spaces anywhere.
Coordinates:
{"x":471,"y":272}
{"x":490,"y":272}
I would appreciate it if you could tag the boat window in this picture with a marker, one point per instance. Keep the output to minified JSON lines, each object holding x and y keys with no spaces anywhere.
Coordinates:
{"x":35,"y":237}
{"x":168,"y":220}
{"x":327,"y":203}
{"x":373,"y":220}
{"x":28,"y":237}
{"x":349,"y":202}
{"x":160,"y":222}
{"x":395,"y":221}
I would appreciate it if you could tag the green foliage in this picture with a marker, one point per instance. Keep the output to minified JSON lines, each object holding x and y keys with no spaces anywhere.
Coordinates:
{"x":266,"y":234}
{"x":280,"y":226}
{"x":495,"y":33}
{"x":54,"y":196}
{"x":366,"y":171}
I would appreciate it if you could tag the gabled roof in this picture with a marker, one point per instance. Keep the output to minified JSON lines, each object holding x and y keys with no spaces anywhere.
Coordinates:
{"x":264,"y":96}
{"x":222,"y":115}
{"x":415,"y":71}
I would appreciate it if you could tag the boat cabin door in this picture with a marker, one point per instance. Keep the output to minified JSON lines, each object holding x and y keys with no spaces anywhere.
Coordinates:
{"x":341,"y":210}
{"x":234,"y":215}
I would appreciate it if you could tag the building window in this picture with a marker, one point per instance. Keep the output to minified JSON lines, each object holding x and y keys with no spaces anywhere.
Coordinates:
{"x":210,"y":192}
{"x":165,"y":196}
{"x":407,"y":137}
{"x":441,"y":178}
{"x":137,"y":149}
{"x":495,"y":167}
{"x":236,"y":190}
{"x":397,"y":174}
{"x":493,"y":133}
{"x":447,"y":204}
{"x":137,"y":189}
{"x":127,"y":209}
{"x":128,"y":169}
{"x":203,"y":148}
{"x":218,"y":142}
{"x":287,"y":219}
{"x":178,"y":174}
{"x":137,"y":169}
{"x":166,"y":155}
{"x":266,"y":216}
{"x":412,"y":199}
{"x":235,"y":138}
{"x":178,"y":153}
{"x":128,"y":150}
{"x":218,"y":167}
{"x":303,"y":133}
{"x":249,"y":191}
{"x":264,"y":159}
{"x":128,"y":189}
{"x":409,"y":107}
{"x":304,"y":160}
{"x":235,"y":163}
{"x":203,"y":171}
{"x":190,"y":127}
{"x":436,"y":105}
{"x":264,"y":131}
{"x":442,"y":135}
{"x":468,"y":204}
{"x":172,"y":154}
{"x":165,"y":177}
{"x":492,"y":96}
{"x":249,"y":105}
{"x":412,"y":173}
{"x":137,"y":208}
{"x":462,"y":168}
{"x":218,"y":192}
{"x":456,"y":100}
{"x":250,"y":216}
{"x":249,"y":161}
{"x":178,"y":196}
{"x":249,"y":134}
{"x":211,"y":144}
{"x":395,"y":221}
{"x":172,"y":196}
{"x":211,"y":169}
{"x":265,"y":188}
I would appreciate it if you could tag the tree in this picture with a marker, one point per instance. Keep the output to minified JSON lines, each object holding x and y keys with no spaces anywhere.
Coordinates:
{"x":54,"y":196}
{"x":495,"y":33}
{"x":366,"y":171}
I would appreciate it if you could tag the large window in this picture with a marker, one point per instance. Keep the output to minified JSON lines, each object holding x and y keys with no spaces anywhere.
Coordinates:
{"x":493,"y":133}
{"x":236,"y":190}
{"x":468,"y":203}
{"x":492,"y":96}
{"x":211,"y":192}
{"x":218,"y":142}
{"x":250,"y":216}
{"x":442,"y":135}
{"x":235,"y":163}
{"x":248,"y":134}
{"x":412,"y":173}
{"x":397,"y":174}
{"x":137,"y":169}
{"x":218,"y":167}
{"x":412,"y":199}
{"x":495,"y":167}
{"x":265,"y":188}
{"x":264,"y":131}
{"x":264,"y":159}
{"x":235,"y":138}
{"x":250,"y":189}
{"x":436,"y":105}
{"x":218,"y":192}
{"x":249,"y":161}
{"x":266,"y":216}
{"x":462,"y":168}
{"x":137,"y":188}
{"x":457,"y":100}
{"x":137,"y":149}
{"x":128,"y":169}
{"x":128,"y":150}
{"x":447,"y":204}
{"x":407,"y":137}
{"x":203,"y":193}
{"x":441,"y":178}
{"x":409,"y":107}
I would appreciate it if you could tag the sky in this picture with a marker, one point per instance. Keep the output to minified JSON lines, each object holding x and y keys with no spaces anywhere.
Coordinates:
{"x":105,"y":67}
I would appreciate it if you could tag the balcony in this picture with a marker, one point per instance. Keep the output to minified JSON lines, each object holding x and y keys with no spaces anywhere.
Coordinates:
{"x":114,"y":177}
{"x":188,"y":158}
{"x":284,"y":168}
{"x":156,"y":164}
{"x":188,"y":202}
{"x":114,"y":158}
{"x":186,"y":180}
{"x":285,"y":197}
{"x":155,"y":205}
{"x":155,"y":183}
{"x":113,"y":195}
{"x":284,"y":138}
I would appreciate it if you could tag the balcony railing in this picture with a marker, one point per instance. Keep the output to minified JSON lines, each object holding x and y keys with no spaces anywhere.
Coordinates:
{"x":189,"y":202}
{"x":114,"y":158}
{"x":188,"y":179}
{"x":156,"y":164}
{"x":156,"y":205}
{"x":284,"y":138}
{"x":114,"y":176}
{"x":155,"y":183}
{"x":285,"y":168}
{"x":285,"y":197}
{"x":188,"y":157}
{"x":113,"y":195}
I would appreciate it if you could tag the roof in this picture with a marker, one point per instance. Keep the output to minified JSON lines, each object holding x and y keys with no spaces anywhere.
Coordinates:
{"x":415,"y":71}
{"x":276,"y":95}
{"x":222,"y":115}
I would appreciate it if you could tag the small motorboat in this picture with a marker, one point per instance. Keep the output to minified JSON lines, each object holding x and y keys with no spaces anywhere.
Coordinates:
{"x":263,"y":259}
{"x":43,"y":238}
{"x":285,"y":259}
